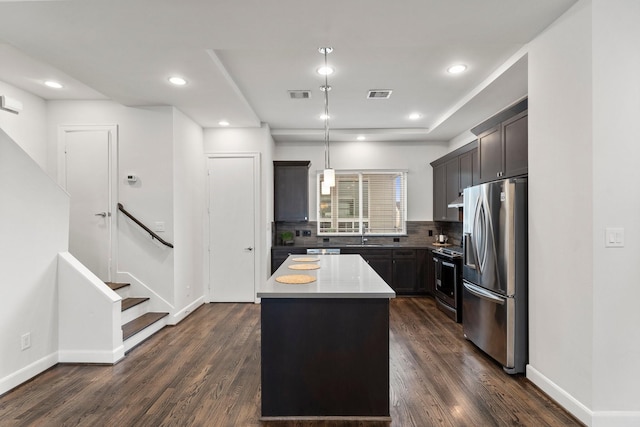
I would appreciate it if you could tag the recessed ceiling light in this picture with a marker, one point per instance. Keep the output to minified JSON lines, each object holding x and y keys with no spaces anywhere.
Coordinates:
{"x":325,"y":71}
{"x":415,"y":116}
{"x":53,"y":84}
{"x":178,"y":81}
{"x":361,"y":138}
{"x":456,"y":69}
{"x":223,"y":123}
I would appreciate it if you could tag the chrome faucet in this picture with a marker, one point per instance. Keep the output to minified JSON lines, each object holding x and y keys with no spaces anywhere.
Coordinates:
{"x":364,"y":240}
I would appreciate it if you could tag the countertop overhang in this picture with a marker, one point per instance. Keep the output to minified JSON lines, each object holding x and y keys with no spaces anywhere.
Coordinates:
{"x":339,"y":276}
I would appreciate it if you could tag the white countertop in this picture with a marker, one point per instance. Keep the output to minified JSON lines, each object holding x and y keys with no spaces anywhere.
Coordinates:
{"x":339,"y":276}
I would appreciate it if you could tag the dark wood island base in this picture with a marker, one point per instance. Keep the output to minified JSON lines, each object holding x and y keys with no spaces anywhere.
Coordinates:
{"x":325,"y":358}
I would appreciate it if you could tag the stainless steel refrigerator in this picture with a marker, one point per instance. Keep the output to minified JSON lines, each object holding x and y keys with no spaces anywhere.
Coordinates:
{"x":495,"y":271}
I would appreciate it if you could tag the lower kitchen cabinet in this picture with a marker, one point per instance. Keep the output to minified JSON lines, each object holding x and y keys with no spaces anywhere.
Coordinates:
{"x":426,"y":272}
{"x":405,"y":271}
{"x":280,"y":253}
{"x":379,"y":259}
{"x":408,"y":271}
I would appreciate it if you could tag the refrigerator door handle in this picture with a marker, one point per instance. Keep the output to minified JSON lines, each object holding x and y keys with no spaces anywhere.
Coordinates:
{"x":469,"y":259}
{"x":482,"y":293}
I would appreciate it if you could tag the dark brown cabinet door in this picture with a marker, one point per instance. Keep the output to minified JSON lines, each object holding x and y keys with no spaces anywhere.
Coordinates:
{"x":426,"y":271}
{"x":466,"y":170}
{"x":490,"y":154}
{"x":382,"y":266}
{"x":475,"y":175}
{"x":379,"y":259}
{"x":439,"y":193}
{"x":452,"y":169}
{"x":405,"y":271}
{"x":404,"y":275}
{"x":291,"y":191}
{"x":515,"y":133}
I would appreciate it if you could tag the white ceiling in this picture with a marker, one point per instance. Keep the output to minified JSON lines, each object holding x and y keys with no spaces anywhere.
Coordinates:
{"x":241,"y":57}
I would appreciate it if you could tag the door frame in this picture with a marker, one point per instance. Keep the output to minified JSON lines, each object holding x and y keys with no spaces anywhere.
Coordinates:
{"x":112,"y":132}
{"x":256,"y":214}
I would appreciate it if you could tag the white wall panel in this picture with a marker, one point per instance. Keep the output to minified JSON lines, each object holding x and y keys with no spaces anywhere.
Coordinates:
{"x":412,"y":156}
{"x":561,"y":205}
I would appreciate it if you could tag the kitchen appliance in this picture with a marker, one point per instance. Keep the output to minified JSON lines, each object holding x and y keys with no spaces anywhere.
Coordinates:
{"x":448,"y":283}
{"x":495,"y":271}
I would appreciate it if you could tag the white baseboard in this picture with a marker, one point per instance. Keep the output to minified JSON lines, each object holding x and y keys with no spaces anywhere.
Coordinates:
{"x":564,"y":399}
{"x":106,"y":357}
{"x":25,"y":374}
{"x":183,"y":313}
{"x":616,"y":419}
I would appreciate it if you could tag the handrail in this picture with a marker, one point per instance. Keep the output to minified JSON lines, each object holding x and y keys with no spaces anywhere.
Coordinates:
{"x":144,"y":227}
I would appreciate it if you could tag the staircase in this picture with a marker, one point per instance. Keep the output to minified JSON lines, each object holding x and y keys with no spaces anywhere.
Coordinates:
{"x":138,"y":323}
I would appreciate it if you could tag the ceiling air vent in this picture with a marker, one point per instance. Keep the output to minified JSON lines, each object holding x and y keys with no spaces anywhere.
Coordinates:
{"x":299,"y":94}
{"x":379,"y":94}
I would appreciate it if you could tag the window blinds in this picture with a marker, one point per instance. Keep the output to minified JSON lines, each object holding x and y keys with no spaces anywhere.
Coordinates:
{"x":370,"y":201}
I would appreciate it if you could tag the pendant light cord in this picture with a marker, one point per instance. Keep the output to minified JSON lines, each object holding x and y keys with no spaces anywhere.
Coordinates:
{"x":327,"y":157}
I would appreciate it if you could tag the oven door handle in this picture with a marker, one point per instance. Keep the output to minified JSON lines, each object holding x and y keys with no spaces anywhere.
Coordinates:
{"x":448,"y":264}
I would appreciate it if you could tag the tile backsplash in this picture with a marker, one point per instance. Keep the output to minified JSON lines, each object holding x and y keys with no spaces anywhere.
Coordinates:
{"x":417,"y":234}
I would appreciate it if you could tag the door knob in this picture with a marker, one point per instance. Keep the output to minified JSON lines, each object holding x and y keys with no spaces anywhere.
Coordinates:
{"x":248,"y":249}
{"x":102,"y":214}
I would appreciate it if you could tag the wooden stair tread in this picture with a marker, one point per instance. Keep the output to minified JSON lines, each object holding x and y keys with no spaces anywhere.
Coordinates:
{"x":131,"y":302}
{"x":136,"y":325}
{"x":115,"y":285}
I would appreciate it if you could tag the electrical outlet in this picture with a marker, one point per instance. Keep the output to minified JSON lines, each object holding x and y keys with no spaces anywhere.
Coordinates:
{"x":297,"y":233}
{"x":25,"y":341}
{"x":430,"y":233}
{"x":159,"y":226}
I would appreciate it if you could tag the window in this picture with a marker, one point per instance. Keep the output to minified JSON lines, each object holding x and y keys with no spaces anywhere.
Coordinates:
{"x":370,"y":201}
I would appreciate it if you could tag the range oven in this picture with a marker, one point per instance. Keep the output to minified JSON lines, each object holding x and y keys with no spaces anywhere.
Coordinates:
{"x":448,"y":283}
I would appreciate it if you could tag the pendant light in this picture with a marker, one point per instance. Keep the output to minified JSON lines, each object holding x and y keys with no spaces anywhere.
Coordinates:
{"x":329,"y":173}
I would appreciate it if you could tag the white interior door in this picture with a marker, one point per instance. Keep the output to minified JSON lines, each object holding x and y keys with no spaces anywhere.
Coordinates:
{"x":232,"y":213}
{"x":87,"y":180}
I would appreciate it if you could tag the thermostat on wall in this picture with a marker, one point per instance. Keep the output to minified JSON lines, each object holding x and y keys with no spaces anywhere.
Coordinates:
{"x":132,"y":178}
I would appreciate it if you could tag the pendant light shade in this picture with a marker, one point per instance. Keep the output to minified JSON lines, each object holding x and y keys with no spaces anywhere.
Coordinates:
{"x":330,"y":177}
{"x":325,"y":188}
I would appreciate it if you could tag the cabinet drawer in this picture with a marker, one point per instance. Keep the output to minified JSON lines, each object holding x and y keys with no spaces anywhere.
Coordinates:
{"x":404,"y":253}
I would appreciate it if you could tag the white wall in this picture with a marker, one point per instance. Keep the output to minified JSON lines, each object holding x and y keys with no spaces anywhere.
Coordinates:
{"x":412,"y":156}
{"x":560,"y":210}
{"x":616,"y":320}
{"x":583,"y":106}
{"x":27,"y":129}
{"x":189,"y":212}
{"x":145,"y":148}
{"x":251,"y":140}
{"x":34,"y":225}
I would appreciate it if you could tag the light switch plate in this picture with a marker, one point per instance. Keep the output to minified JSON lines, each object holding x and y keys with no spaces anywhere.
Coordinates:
{"x":159,"y":226}
{"x":614,"y":237}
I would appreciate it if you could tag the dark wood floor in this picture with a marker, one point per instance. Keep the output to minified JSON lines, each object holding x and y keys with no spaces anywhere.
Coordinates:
{"x":206,"y":372}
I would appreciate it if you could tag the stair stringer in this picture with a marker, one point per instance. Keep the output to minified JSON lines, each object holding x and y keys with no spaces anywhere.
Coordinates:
{"x":139,"y":289}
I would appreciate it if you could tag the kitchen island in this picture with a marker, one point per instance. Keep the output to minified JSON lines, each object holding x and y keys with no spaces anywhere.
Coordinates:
{"x":325,"y":344}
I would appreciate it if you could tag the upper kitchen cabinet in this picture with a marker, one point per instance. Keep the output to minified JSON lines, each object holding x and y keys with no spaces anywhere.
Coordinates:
{"x":291,"y":191}
{"x":469,"y":170}
{"x":451,"y":175}
{"x":503,"y":144}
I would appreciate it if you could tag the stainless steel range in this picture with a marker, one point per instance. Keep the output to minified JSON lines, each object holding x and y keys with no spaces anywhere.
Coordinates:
{"x":448,"y":286}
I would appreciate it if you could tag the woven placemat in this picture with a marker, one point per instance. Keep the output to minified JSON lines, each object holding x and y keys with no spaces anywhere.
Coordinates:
{"x":305,"y":259}
{"x":304,"y":267}
{"x":295,"y":279}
